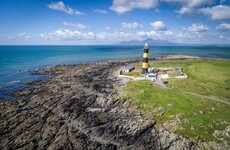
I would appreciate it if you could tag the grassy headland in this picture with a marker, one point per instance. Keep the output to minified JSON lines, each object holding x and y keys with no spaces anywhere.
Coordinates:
{"x":206,"y":77}
{"x":197,"y":116}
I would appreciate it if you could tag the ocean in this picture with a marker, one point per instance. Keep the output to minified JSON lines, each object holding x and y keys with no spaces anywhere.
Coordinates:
{"x":17,"y":62}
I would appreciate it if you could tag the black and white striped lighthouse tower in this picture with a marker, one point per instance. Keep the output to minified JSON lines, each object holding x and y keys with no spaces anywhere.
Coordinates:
{"x":145,"y":60}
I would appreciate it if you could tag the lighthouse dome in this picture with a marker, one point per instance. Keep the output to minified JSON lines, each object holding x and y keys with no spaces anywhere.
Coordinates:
{"x":146,"y":46}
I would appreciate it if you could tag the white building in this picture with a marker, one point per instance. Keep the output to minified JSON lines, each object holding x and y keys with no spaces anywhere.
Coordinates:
{"x":164,"y":75}
{"x":126,"y":69}
{"x":150,"y":69}
{"x":152,"y":76}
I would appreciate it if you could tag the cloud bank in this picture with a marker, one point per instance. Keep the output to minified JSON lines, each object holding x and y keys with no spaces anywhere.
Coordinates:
{"x":197,"y":28}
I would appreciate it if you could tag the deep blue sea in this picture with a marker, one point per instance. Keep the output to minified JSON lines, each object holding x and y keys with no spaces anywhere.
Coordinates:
{"x":17,"y":62}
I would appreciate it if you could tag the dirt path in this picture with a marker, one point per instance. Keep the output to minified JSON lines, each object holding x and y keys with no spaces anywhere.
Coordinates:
{"x":207,"y":97}
{"x":159,"y":83}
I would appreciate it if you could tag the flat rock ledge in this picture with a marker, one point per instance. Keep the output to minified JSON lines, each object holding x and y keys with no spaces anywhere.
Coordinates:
{"x":76,"y":108}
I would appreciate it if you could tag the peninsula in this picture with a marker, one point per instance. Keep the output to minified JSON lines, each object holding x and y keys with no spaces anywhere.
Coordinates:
{"x":87,"y":107}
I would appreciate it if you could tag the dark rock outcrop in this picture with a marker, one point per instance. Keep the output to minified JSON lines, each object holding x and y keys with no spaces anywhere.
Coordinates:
{"x":75,"y":109}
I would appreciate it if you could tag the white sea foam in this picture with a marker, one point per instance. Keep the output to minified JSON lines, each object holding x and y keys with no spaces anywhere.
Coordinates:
{"x":11,"y":82}
{"x":22,"y":70}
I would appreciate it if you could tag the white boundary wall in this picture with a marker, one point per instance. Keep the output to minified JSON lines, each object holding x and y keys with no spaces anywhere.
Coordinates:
{"x":180,"y":77}
{"x":135,"y":79}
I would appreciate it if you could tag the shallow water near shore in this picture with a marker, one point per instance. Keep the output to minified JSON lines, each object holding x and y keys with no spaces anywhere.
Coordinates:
{"x":17,"y":62}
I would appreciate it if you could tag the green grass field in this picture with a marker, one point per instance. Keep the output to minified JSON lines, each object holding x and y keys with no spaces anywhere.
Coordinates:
{"x":201,"y":117}
{"x":206,"y":77}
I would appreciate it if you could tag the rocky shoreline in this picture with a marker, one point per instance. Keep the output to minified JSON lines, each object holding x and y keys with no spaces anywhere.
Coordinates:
{"x":172,"y":57}
{"x":78,"y":108}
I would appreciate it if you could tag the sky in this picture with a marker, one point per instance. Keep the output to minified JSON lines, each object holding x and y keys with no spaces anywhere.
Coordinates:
{"x":90,"y":22}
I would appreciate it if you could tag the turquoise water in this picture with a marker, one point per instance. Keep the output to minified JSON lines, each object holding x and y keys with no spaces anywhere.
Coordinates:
{"x":16,"y":62}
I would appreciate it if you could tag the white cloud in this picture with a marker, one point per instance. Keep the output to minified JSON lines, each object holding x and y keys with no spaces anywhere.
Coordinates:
{"x":23,"y":35}
{"x":187,"y":10}
{"x":180,"y":2}
{"x":198,"y":3}
{"x":189,"y":38}
{"x":123,"y":6}
{"x":76,"y":25}
{"x":100,"y":11}
{"x":219,"y":12}
{"x":223,"y":27}
{"x":133,"y":25}
{"x":221,"y":37}
{"x":166,"y":35}
{"x":11,"y":37}
{"x":60,"y":6}
{"x":189,"y":6}
{"x":107,"y":28}
{"x":197,"y":28}
{"x":190,"y":3}
{"x":114,"y":36}
{"x":147,"y":34}
{"x":158,"y":25}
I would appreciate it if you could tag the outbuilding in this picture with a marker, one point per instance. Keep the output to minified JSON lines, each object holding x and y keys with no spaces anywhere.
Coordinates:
{"x":164,"y":75}
{"x":126,"y":69}
{"x":152,"y":76}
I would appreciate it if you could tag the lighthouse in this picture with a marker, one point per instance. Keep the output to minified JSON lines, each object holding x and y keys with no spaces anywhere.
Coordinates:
{"x":145,"y":60}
